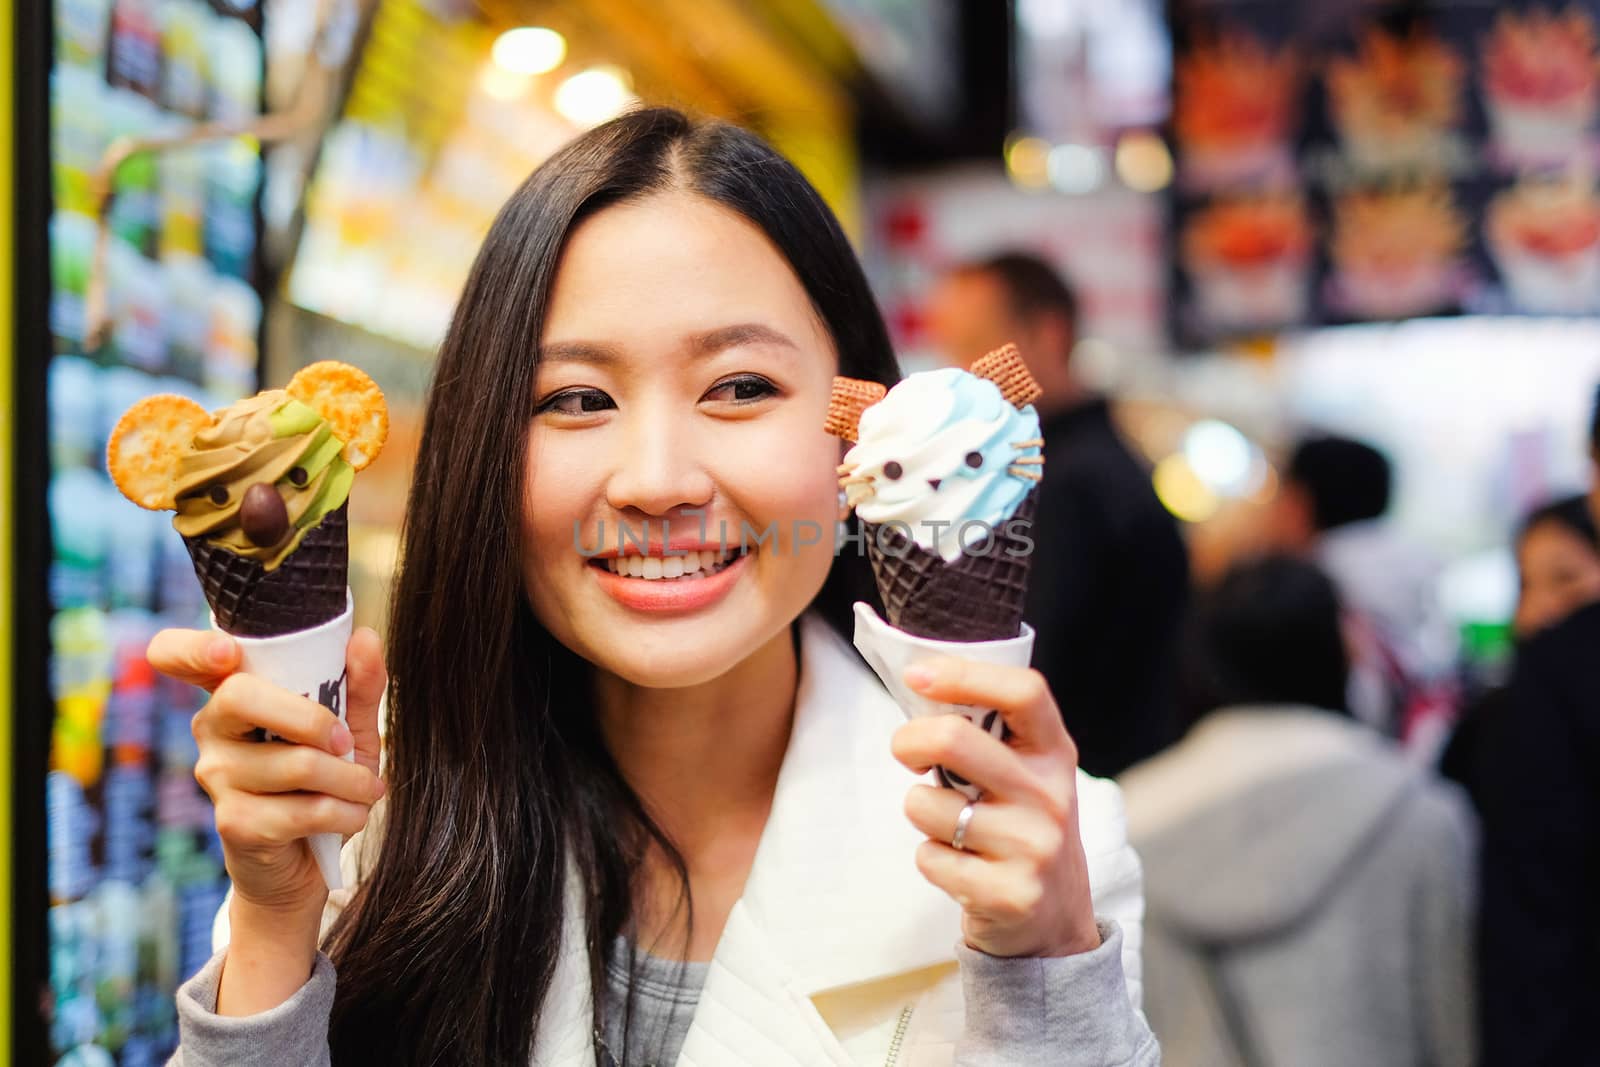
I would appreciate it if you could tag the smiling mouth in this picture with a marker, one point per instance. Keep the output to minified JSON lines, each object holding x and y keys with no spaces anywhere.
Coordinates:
{"x":689,"y":567}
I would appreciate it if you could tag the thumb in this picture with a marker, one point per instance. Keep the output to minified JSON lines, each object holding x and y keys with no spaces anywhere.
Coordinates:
{"x":365,"y":682}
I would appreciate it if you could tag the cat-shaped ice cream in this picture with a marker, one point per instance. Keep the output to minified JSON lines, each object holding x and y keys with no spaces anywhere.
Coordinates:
{"x":943,"y":451}
{"x":943,"y":475}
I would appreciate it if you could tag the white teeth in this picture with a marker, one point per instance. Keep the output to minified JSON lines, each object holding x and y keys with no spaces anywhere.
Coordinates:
{"x":688,"y":567}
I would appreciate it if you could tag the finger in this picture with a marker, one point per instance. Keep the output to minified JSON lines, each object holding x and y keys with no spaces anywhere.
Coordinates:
{"x":954,"y":743}
{"x":995,"y":830}
{"x":365,"y":682}
{"x":250,"y":821}
{"x":1004,"y":893}
{"x":1020,"y":695}
{"x":254,"y":767}
{"x":244,"y":703}
{"x":962,"y":875}
{"x":198,"y":657}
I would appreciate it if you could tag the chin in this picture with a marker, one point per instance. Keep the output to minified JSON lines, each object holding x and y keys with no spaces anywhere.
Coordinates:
{"x":681,"y":652}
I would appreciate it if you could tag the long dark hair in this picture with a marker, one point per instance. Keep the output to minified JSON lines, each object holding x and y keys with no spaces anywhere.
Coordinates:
{"x":498,"y":776}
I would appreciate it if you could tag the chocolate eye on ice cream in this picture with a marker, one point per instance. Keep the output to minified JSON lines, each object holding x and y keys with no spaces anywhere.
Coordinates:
{"x":260,"y":490}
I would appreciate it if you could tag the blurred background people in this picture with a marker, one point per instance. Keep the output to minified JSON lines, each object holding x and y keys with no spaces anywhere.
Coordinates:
{"x":1539,"y":940}
{"x":1333,"y":508}
{"x":1558,"y":564}
{"x":1309,"y":892}
{"x":1110,"y":573}
{"x":1558,"y":568}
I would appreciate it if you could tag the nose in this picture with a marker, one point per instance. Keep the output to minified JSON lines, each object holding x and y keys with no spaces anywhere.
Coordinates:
{"x":658,"y":469}
{"x":933,"y":483}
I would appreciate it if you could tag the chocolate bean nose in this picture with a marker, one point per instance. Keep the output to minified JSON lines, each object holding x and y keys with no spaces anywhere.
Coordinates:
{"x":262,"y":515}
{"x":933,"y":483}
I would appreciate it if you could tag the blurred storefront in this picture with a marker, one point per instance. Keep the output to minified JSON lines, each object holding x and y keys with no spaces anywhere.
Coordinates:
{"x":1369,"y":219}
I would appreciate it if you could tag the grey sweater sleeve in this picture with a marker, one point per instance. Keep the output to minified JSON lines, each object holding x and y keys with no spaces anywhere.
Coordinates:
{"x":296,"y":1031}
{"x":1071,"y":1011}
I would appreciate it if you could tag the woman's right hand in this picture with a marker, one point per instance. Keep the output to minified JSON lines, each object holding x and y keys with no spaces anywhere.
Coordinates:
{"x":269,"y":796}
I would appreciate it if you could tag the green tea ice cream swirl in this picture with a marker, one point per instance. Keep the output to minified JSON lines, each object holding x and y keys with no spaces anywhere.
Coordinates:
{"x":269,"y":445}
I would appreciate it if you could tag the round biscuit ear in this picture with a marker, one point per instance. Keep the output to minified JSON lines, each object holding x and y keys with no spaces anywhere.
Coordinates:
{"x":350,"y":402}
{"x":147,"y":444}
{"x":851,"y":396}
{"x":1005,"y":368}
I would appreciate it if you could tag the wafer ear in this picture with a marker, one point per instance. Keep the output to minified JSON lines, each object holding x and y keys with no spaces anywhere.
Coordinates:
{"x":146,"y":445}
{"x":1005,"y":368}
{"x":352,"y":404}
{"x":851,"y":396}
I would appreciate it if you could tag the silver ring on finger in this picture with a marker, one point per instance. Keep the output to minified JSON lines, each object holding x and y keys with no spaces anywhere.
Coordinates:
{"x":958,"y":840}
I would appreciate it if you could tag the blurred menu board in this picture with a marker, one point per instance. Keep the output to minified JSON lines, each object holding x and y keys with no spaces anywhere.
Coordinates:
{"x":1354,"y":161}
{"x":134,"y":867}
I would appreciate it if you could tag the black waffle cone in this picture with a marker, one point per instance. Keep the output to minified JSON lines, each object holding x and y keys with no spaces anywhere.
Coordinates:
{"x":976,"y":597}
{"x":307,"y":589}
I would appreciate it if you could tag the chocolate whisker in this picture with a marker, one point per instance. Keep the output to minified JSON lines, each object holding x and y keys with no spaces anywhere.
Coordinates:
{"x":1028,"y":459}
{"x":1023,"y":472}
{"x":1032,"y":442}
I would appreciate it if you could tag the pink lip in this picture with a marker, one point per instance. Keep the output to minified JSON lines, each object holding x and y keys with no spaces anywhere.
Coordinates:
{"x":669,"y":596}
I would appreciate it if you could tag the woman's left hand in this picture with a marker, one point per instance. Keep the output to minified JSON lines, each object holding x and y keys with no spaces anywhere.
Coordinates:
{"x":1021,"y":877}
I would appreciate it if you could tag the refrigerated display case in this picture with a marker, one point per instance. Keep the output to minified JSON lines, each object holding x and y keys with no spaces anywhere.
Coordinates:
{"x":117,"y":865}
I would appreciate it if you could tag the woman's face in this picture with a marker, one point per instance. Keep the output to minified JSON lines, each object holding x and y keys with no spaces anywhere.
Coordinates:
{"x":680,"y":397}
{"x":1560,"y":574}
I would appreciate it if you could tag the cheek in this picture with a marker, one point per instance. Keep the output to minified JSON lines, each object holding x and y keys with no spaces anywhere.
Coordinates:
{"x":783,"y":475}
{"x":554,"y":497}
{"x":784,"y":479}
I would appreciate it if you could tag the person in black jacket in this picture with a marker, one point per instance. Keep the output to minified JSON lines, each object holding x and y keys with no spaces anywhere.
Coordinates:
{"x":1539,"y":943}
{"x":1558,"y":567}
{"x":1111,"y":574}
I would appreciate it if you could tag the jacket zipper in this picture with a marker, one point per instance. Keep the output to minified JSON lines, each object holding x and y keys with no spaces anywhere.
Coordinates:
{"x":899,"y":1036}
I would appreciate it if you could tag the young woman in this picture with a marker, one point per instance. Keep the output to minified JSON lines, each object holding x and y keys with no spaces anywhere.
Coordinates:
{"x":1558,"y":573}
{"x":635,"y":816}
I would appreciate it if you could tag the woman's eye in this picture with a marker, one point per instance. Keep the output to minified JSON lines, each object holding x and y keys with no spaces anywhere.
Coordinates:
{"x":742,"y":390}
{"x":974,"y":460}
{"x":577,"y":402}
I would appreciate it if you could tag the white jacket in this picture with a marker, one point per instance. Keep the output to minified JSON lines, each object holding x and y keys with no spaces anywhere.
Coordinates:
{"x":838,"y":943}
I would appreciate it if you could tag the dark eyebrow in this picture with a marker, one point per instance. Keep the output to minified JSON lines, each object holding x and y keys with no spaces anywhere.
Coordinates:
{"x":706,"y":343}
{"x":744,"y":333}
{"x":577,"y":352}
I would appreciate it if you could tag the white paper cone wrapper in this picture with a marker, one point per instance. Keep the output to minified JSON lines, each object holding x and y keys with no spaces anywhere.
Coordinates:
{"x":890,"y":651}
{"x":311,"y":663}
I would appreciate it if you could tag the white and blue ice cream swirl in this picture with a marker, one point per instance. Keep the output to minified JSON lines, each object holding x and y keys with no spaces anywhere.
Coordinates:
{"x":939,"y":454}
